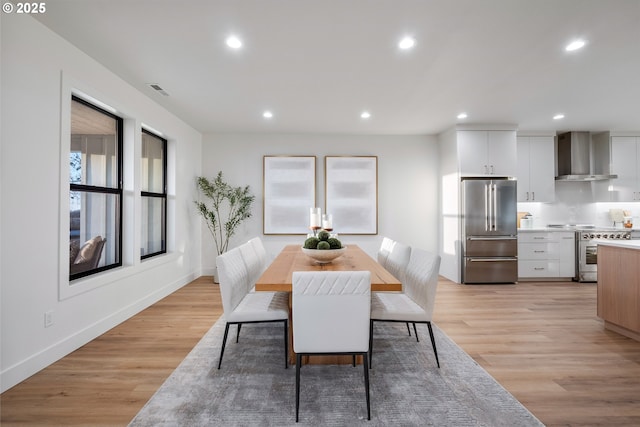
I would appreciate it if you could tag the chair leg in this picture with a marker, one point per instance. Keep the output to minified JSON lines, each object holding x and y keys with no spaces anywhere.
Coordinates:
{"x":433,"y":343}
{"x":409,"y":329}
{"x":416,"y":331}
{"x":238,"y":333}
{"x":286,"y":345}
{"x":370,"y":342}
{"x":224,"y":341}
{"x":366,"y":384}
{"x":298,"y":362}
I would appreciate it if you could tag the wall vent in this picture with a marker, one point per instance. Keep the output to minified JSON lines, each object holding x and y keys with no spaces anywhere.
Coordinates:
{"x":157,"y":88}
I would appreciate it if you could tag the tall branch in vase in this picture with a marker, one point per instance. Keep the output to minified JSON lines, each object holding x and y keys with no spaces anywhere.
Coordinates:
{"x":224,"y":208}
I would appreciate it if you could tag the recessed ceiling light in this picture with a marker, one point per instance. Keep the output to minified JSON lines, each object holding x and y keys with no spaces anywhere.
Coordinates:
{"x":407,"y":43}
{"x":234,"y":42}
{"x":267,"y":114}
{"x":462,"y":115}
{"x":365,"y":115}
{"x":558,"y":117}
{"x":575,"y":45}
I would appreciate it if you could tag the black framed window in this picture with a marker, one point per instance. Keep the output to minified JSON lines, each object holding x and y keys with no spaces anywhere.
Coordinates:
{"x":153,"y":195}
{"x":95,"y":184}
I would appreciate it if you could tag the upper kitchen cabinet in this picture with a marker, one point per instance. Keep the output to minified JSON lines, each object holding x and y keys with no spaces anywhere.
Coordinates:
{"x":536,"y":169}
{"x":487,"y":152}
{"x":625,"y":160}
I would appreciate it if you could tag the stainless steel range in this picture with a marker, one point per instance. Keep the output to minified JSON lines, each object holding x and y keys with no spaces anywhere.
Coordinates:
{"x":587,"y":255}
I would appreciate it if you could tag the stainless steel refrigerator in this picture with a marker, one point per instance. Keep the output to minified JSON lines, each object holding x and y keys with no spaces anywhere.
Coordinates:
{"x":489,"y":230}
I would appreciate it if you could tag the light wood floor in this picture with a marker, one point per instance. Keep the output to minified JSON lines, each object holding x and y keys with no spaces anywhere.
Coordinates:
{"x":541,"y":341}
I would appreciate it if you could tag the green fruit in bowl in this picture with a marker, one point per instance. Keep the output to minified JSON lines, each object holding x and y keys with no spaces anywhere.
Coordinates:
{"x":311,"y":243}
{"x":323,"y":235}
{"x":334,"y":243}
{"x":323,"y":245}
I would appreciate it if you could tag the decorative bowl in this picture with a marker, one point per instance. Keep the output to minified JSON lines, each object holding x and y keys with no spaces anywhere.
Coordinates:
{"x":324,"y":256}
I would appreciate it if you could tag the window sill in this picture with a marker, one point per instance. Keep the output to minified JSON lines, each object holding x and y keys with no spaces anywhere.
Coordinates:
{"x":69,"y":289}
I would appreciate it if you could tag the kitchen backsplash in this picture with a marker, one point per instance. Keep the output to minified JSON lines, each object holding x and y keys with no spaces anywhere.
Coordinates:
{"x":573,"y":205}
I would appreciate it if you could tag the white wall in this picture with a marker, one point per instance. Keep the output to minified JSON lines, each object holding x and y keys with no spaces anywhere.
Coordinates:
{"x":38,"y":67}
{"x":450,"y":246}
{"x":407,"y":183}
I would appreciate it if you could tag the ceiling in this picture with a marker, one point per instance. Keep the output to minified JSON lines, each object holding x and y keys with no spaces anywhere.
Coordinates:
{"x":318,"y":64}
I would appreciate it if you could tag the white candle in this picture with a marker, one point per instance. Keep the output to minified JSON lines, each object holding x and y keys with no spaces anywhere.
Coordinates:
{"x":314,"y":218}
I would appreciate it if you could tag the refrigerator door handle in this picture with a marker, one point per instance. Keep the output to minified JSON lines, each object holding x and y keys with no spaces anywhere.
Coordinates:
{"x":486,"y":208}
{"x":494,"y":199}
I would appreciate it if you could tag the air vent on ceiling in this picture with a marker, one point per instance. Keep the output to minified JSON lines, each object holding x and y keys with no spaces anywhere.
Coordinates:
{"x":157,"y":88}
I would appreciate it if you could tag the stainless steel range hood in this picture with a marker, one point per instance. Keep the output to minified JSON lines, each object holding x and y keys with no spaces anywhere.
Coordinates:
{"x":574,"y":158}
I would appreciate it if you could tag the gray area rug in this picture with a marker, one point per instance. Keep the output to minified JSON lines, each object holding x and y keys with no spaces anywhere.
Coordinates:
{"x":407,"y":389}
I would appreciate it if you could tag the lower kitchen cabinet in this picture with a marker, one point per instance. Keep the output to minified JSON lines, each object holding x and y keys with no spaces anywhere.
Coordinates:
{"x":546,"y":255}
{"x":619,"y":287}
{"x":568,"y":264}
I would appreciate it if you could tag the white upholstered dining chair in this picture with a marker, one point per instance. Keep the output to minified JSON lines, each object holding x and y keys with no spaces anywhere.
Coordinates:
{"x":254,"y":264}
{"x":415,"y":303}
{"x":255,"y":260}
{"x":398,"y":259}
{"x":394,"y":257}
{"x":384,"y":250}
{"x":258,"y":246}
{"x":241,"y":306}
{"x":330,"y":311}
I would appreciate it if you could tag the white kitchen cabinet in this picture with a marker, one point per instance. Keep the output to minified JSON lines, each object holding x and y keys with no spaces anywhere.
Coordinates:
{"x":487,"y":152}
{"x":546,"y":255}
{"x":567,"y":253}
{"x":625,"y":158}
{"x":537,"y":255}
{"x":536,"y":169}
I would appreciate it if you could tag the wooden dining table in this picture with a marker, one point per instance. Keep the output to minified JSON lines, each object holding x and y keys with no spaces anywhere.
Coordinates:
{"x":279,"y":277}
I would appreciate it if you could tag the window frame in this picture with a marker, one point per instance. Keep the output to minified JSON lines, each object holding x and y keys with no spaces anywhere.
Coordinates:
{"x":162,"y":196}
{"x":118,"y":191}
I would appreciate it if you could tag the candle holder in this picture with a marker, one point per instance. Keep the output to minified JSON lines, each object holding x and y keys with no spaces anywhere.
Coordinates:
{"x":327,"y":222}
{"x":315,"y":215}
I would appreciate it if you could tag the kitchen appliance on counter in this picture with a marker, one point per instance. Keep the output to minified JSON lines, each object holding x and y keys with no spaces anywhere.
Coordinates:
{"x":587,"y":255}
{"x":489,"y":230}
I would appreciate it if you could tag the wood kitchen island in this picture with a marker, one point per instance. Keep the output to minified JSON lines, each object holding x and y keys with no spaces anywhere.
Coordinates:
{"x":619,"y":286}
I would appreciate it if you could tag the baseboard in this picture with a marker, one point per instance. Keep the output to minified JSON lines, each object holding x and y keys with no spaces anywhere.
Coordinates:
{"x":622,"y":330}
{"x":19,"y":372}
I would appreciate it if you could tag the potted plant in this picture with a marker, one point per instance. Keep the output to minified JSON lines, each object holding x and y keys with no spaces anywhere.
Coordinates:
{"x":223,"y":208}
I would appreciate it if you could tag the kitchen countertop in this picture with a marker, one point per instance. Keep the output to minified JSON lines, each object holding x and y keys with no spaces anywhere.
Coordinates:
{"x":543,"y":228}
{"x":539,"y":229}
{"x":626,"y":244}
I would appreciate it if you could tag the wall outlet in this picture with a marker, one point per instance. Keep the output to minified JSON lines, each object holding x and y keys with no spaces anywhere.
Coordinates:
{"x":48,"y":319}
